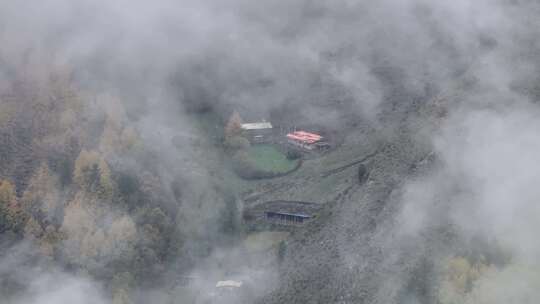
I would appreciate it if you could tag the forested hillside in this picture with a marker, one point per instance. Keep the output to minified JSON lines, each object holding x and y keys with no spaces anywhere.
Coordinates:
{"x":80,"y":184}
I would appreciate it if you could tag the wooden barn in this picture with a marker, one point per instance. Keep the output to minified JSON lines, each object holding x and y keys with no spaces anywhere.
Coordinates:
{"x":286,"y":217}
{"x":281,"y":213}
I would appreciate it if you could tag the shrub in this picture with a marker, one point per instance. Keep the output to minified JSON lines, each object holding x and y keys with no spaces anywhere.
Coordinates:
{"x":362,"y":173}
{"x":236,"y":143}
{"x":293,"y":154}
{"x":282,"y":249}
{"x":241,"y":165}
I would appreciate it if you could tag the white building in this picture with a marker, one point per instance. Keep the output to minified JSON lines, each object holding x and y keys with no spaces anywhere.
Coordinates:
{"x":258,"y":131}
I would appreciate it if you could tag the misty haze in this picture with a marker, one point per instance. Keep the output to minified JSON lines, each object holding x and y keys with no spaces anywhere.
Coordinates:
{"x":269,"y":152}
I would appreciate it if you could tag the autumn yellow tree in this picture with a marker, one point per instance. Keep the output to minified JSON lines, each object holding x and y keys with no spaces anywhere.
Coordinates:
{"x":117,"y":135}
{"x":87,"y":240}
{"x":234,"y":140}
{"x":42,"y":196}
{"x":121,"y":237}
{"x":129,"y":139}
{"x":7,"y":110}
{"x":7,"y":192}
{"x":80,"y":217}
{"x":11,"y":217}
{"x":83,"y":236}
{"x":459,"y":276}
{"x":234,"y":125}
{"x":120,"y":296}
{"x":49,"y":240}
{"x":120,"y":286}
{"x":110,"y":138}
{"x":32,"y":229}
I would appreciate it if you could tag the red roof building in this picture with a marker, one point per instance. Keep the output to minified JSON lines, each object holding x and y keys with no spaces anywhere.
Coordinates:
{"x":304,"y":139}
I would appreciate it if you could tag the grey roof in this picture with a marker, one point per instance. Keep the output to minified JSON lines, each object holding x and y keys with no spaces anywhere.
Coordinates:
{"x":291,"y":214}
{"x":257,"y":126}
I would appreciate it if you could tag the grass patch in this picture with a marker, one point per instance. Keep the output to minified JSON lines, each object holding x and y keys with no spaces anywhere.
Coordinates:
{"x":263,"y":161}
{"x":268,"y":158}
{"x":263,"y":241}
